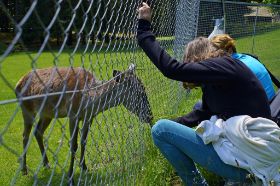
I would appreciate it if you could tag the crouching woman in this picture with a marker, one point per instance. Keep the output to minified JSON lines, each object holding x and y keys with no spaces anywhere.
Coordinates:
{"x":229,"y":89}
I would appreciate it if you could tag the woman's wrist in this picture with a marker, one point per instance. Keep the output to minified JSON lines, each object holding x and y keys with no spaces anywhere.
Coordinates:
{"x":144,"y":25}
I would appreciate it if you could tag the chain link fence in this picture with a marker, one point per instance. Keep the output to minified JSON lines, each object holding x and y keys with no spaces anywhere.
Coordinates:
{"x":77,"y":94}
{"x":241,"y":19}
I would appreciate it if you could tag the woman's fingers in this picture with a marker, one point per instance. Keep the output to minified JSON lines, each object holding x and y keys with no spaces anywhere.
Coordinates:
{"x":145,"y":5}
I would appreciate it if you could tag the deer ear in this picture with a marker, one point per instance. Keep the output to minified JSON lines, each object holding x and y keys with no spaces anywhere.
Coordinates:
{"x":118,"y":75}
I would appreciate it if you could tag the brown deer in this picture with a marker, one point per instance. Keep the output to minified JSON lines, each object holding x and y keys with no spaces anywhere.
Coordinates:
{"x":75,"y":93}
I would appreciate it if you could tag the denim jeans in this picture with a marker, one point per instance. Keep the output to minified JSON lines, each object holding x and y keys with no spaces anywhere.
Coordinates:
{"x":182,"y":147}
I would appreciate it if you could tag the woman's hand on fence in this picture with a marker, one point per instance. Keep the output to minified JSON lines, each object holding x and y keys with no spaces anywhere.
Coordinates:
{"x":145,"y":12}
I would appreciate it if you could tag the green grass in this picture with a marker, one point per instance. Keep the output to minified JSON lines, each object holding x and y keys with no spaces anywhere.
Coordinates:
{"x":267,"y":47}
{"x":119,"y":149}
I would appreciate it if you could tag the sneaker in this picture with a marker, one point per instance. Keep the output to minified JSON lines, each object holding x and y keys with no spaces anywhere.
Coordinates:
{"x":199,"y":180}
{"x":250,"y":181}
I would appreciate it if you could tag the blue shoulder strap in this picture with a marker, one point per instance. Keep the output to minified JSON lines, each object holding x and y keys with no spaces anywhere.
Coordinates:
{"x":273,"y":78}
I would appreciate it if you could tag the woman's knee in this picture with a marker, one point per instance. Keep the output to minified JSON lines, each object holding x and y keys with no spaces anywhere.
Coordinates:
{"x":160,"y":126}
{"x":159,"y":130}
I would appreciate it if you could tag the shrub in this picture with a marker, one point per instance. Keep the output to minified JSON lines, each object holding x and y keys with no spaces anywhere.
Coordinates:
{"x":3,"y":47}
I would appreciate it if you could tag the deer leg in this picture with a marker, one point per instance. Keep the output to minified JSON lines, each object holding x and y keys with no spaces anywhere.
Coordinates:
{"x":39,"y":132}
{"x":85,"y":129}
{"x":28,"y":120}
{"x":74,"y":128}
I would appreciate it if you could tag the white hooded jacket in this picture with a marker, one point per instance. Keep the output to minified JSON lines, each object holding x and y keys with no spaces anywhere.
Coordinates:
{"x":249,"y":143}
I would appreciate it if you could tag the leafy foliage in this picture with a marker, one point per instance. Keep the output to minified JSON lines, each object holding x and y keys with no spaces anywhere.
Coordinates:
{"x":2,"y":48}
{"x":271,"y":1}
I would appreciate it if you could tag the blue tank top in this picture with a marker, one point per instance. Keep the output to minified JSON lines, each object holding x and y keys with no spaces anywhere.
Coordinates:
{"x":259,"y":70}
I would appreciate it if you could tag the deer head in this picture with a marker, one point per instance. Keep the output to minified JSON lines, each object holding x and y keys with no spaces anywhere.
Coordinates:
{"x":135,"y":98}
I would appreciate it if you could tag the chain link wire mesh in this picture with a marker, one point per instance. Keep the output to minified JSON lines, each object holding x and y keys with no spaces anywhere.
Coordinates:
{"x":70,"y":94}
{"x":58,"y":62}
{"x":241,"y":19}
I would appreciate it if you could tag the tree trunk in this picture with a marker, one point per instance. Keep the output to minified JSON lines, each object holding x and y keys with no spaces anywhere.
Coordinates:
{"x":70,"y":38}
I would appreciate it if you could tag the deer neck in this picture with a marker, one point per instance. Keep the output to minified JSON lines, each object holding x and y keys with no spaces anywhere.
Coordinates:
{"x":108,"y":94}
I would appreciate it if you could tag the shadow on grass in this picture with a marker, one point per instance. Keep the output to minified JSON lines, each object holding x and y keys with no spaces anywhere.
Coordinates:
{"x":88,"y":177}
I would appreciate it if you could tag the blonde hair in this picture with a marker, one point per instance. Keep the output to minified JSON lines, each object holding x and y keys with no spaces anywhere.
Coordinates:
{"x":200,"y":49}
{"x":224,"y":42}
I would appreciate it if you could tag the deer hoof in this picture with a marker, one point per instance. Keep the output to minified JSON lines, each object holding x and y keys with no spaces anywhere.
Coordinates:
{"x":24,"y":171}
{"x":47,"y":166}
{"x":71,"y":182}
{"x":84,"y":167}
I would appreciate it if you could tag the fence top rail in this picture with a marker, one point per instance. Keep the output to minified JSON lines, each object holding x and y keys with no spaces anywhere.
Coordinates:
{"x":242,"y":3}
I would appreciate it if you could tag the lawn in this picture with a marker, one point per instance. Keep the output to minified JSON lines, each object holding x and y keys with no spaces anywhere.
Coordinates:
{"x":119,"y":149}
{"x":266,"y":47}
{"x":116,"y":136}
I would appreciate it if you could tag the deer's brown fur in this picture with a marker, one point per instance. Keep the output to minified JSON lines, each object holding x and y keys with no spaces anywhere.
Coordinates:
{"x":80,"y":97}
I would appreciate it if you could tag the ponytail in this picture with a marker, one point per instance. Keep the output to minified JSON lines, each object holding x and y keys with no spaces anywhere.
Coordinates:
{"x":224,"y":42}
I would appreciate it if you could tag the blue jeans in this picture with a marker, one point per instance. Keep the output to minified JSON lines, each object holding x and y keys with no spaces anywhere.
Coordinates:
{"x":181,"y":146}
